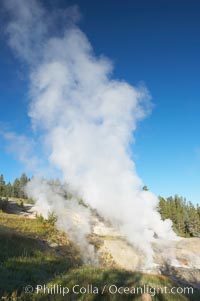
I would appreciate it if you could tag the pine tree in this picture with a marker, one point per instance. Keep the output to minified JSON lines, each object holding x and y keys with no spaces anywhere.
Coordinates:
{"x":2,"y":186}
{"x":9,"y":189}
{"x":194,"y":222}
{"x":162,"y":208}
{"x":16,"y":188}
{"x":23,"y":181}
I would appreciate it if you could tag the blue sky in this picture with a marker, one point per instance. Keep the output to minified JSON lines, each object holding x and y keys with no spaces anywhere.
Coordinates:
{"x":153,"y":42}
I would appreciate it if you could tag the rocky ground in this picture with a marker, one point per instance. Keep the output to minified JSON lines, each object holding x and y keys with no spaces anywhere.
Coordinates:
{"x":178,"y":259}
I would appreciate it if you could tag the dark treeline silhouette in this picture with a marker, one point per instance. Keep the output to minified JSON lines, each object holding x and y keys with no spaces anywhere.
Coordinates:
{"x":15,"y":189}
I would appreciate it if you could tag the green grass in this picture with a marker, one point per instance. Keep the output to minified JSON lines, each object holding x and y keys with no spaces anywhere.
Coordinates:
{"x":26,"y":255}
{"x":29,"y":257}
{"x":99,"y":277}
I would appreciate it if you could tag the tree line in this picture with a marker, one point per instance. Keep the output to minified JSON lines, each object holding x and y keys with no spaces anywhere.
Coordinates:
{"x":184,"y":215}
{"x":15,"y":189}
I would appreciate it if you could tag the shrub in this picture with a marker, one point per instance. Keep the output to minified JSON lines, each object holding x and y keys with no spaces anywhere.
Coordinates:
{"x":52,"y":218}
{"x":4,"y":203}
{"x":40,"y":218}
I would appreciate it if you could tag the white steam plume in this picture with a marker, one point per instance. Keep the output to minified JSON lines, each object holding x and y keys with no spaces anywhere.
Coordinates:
{"x":72,"y":218}
{"x":86,"y":119}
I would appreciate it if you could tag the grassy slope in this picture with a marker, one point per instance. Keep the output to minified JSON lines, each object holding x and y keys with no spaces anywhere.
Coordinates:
{"x":28,"y":257}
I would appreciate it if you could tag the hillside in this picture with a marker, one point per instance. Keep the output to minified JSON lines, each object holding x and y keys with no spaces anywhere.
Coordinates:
{"x":34,"y":252}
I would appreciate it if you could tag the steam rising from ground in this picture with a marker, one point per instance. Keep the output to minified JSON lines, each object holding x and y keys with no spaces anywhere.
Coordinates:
{"x":86,"y":121}
{"x":73,"y":219}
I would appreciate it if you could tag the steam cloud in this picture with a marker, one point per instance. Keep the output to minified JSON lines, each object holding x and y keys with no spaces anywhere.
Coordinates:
{"x":86,"y":120}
